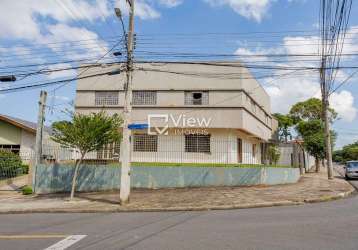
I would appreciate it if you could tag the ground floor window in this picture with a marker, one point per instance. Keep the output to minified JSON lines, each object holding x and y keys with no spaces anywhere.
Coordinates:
{"x":197,"y":143}
{"x":12,"y":148}
{"x":109,"y":151}
{"x":145,"y":143}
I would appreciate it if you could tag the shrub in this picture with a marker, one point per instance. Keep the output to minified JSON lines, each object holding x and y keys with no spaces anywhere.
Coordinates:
{"x":274,"y":154}
{"x":25,"y":168}
{"x":10,"y":165}
{"x":26,"y":190}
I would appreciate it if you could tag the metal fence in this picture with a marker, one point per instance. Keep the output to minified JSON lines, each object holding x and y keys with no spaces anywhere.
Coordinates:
{"x":172,"y":149}
{"x":10,"y":168}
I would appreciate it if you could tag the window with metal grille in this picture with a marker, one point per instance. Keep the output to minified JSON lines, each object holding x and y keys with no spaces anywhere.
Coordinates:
{"x":109,"y":151}
{"x":197,"y":98}
{"x":103,"y":98}
{"x":145,"y":143}
{"x":197,"y":143}
{"x":144,"y":97}
{"x":12,"y":148}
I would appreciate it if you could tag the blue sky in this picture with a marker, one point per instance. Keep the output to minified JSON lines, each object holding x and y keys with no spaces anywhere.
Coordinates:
{"x":35,"y":32}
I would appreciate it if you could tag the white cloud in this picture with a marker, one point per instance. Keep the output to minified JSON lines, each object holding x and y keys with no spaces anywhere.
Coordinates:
{"x":62,"y":73}
{"x":19,"y":19}
{"x":289,"y":87}
{"x":143,"y":9}
{"x":62,"y":33}
{"x":343,"y":103}
{"x":170,"y":3}
{"x":251,"y":9}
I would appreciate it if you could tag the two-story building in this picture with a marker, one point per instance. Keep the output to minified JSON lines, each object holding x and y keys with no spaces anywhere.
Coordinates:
{"x":206,"y":112}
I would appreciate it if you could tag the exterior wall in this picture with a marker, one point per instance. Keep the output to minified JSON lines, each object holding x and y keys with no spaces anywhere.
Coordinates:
{"x":57,"y":178}
{"x":9,"y":134}
{"x":230,"y":100}
{"x":27,"y":149}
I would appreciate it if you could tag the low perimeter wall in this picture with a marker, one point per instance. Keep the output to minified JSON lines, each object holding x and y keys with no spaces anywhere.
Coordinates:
{"x":58,"y":178}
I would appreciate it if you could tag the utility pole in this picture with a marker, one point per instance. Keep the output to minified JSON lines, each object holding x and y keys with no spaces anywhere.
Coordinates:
{"x":126,"y":142}
{"x":326,"y":118}
{"x":39,"y":135}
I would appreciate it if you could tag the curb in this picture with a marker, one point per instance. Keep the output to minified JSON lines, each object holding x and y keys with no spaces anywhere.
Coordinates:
{"x":176,"y":209}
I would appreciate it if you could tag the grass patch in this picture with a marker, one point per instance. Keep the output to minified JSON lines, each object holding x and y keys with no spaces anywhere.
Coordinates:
{"x":26,"y":190}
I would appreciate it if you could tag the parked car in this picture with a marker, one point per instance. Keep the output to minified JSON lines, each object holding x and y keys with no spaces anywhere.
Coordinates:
{"x":351,"y":169}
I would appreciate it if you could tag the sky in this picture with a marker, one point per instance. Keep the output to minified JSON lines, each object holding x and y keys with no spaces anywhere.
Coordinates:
{"x":45,"y":35}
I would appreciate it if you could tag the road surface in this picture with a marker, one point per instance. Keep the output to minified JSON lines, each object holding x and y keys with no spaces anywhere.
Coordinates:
{"x":330,"y":225}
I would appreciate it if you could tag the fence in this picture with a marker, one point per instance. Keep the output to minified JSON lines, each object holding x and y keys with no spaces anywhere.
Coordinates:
{"x":199,"y":149}
{"x":11,"y":167}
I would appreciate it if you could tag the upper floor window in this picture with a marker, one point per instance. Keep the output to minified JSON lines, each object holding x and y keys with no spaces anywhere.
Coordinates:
{"x":103,"y":98}
{"x":144,"y":97}
{"x":145,"y":143}
{"x":195,"y":143}
{"x":253,"y":106}
{"x":197,"y":98}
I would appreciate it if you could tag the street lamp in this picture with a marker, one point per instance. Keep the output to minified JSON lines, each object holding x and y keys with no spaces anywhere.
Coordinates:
{"x":118,"y":12}
{"x":10,"y":78}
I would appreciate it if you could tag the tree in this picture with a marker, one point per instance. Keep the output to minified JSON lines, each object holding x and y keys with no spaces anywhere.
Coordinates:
{"x":312,"y":132}
{"x":274,"y":154}
{"x":86,"y":133}
{"x":347,"y":153}
{"x":310,"y":109}
{"x":285,"y":122}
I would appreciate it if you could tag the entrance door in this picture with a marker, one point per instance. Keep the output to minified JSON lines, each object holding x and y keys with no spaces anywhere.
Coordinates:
{"x":239,"y":150}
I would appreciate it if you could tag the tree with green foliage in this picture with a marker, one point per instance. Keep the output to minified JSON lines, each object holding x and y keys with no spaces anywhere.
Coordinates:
{"x":274,"y":154}
{"x":86,"y":133}
{"x":347,"y":153}
{"x":310,"y":109}
{"x":285,"y":122}
{"x":312,"y":132}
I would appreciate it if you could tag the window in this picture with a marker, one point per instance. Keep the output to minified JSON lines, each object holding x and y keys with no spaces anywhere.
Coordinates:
{"x":12,"y":148}
{"x":109,"y":151}
{"x":103,"y":98}
{"x":267,"y":120}
{"x":254,"y":150}
{"x":197,"y":143}
{"x":145,"y":143}
{"x":197,"y":98}
{"x":144,"y":97}
{"x":253,"y":106}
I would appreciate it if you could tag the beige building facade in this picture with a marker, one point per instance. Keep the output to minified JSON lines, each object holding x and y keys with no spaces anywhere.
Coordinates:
{"x":197,"y":112}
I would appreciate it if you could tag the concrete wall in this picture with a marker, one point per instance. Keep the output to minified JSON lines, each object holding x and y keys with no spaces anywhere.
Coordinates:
{"x":56,"y":178}
{"x":9,"y":134}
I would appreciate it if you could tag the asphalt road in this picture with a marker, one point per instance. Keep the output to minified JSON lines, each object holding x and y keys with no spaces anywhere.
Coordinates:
{"x":330,"y":225}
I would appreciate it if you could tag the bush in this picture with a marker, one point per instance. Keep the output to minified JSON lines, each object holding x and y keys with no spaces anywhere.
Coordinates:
{"x":26,"y":190}
{"x":274,"y":154}
{"x":10,"y":165}
{"x":25,"y":168}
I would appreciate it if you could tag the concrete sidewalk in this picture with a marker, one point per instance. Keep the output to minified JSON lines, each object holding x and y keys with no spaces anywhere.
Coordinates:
{"x":312,"y":187}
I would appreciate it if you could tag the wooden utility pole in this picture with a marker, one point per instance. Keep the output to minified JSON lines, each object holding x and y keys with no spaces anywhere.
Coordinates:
{"x":126,"y":142}
{"x":39,"y":136}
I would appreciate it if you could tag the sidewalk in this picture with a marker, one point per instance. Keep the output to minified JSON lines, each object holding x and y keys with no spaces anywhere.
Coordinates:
{"x":312,"y":187}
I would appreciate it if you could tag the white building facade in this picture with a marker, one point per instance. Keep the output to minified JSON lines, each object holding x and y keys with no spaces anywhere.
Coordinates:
{"x":196,"y":112}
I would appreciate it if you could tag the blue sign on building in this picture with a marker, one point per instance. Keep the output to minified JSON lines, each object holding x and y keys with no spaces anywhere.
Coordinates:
{"x":137,"y":126}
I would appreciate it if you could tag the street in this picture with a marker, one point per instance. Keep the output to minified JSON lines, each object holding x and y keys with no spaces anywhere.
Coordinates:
{"x":329,"y":225}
